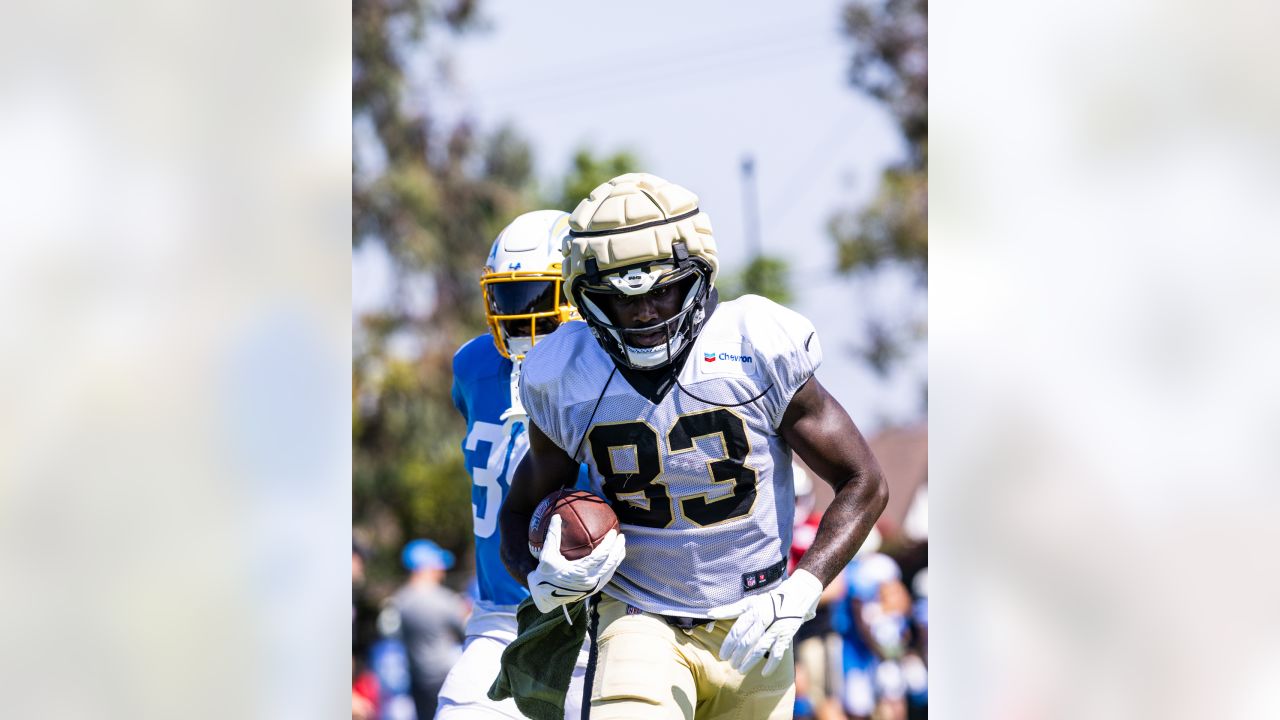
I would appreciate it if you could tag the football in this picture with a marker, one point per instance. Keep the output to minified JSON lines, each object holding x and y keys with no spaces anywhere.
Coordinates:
{"x":585,"y":520}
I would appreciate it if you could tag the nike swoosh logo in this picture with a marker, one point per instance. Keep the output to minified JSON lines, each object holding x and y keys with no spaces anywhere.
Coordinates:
{"x":555,"y":593}
{"x":578,"y":591}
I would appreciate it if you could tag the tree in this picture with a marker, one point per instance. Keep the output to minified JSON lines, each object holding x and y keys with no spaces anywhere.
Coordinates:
{"x":890,"y":64}
{"x":433,"y":196}
{"x":764,"y":275}
{"x":588,"y":172}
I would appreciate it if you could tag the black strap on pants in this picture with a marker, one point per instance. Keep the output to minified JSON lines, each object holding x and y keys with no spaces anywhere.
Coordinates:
{"x":593,"y":627}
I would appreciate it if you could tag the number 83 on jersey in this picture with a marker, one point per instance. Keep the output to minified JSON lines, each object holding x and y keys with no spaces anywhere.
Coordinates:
{"x":630,"y":457}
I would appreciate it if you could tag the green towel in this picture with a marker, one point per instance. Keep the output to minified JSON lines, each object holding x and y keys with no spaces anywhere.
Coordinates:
{"x":537,"y":665}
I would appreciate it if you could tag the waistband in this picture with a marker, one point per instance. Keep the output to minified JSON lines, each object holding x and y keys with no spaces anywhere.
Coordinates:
{"x":686,"y":623}
{"x":677,"y":621}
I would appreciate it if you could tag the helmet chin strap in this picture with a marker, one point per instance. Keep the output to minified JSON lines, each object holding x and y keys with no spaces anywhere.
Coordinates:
{"x":519,"y":346}
{"x":674,"y":341}
{"x":662,"y":354}
{"x":649,"y":357}
{"x":516,"y":413}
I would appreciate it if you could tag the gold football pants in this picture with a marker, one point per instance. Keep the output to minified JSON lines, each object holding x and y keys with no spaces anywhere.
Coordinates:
{"x":646,"y":668}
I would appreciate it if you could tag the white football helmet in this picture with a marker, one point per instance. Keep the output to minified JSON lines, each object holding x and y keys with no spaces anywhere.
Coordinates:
{"x":521,"y":282}
{"x":633,"y":234}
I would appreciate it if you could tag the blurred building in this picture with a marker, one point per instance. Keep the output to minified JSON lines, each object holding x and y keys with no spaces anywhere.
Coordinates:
{"x":903,"y":454}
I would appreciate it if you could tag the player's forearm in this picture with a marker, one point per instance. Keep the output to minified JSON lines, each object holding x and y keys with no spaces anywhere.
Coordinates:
{"x":825,"y":437}
{"x":513,"y":524}
{"x":846,"y":524}
{"x":544,"y":469}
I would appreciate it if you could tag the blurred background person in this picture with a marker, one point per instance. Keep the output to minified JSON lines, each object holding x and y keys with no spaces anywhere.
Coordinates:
{"x":364,"y":684}
{"x":430,"y":619}
{"x":915,"y":666}
{"x":390,"y":663}
{"x":818,"y":647}
{"x":886,"y":674}
{"x":874,"y":637}
{"x":364,"y":613}
{"x":888,"y":618}
{"x":364,"y":695}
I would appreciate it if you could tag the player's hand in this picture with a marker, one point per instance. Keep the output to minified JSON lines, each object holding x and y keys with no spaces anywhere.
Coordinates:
{"x":558,"y":581}
{"x":769,"y":623}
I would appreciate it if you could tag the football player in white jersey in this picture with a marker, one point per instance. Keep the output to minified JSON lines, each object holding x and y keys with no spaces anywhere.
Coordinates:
{"x":687,"y":411}
{"x":523,"y":303}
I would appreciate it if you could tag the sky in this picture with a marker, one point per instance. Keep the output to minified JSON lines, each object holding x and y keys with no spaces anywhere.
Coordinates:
{"x":692,"y":89}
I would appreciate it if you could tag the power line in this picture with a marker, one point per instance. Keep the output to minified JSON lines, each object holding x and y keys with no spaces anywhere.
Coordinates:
{"x":574,"y":74}
{"x":645,"y":79}
{"x":736,"y":41}
{"x":815,"y":161}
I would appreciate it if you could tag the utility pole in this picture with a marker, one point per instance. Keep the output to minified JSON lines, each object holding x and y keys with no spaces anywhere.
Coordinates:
{"x":750,"y":207}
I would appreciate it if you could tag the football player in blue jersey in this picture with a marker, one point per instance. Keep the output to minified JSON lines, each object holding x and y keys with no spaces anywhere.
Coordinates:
{"x":875,"y":628}
{"x":523,"y":303}
{"x":687,"y":411}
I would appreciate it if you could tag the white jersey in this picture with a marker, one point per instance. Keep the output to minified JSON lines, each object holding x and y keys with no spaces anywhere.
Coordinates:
{"x":699,"y":478}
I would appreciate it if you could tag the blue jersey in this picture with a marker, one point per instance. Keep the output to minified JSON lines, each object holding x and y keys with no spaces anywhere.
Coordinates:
{"x":482,"y":392}
{"x":864,"y":575}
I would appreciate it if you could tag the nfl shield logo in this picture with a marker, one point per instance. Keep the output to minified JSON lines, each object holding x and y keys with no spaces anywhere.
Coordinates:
{"x":751,"y":582}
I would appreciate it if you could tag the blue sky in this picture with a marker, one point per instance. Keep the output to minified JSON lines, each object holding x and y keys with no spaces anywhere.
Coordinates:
{"x":691,"y":88}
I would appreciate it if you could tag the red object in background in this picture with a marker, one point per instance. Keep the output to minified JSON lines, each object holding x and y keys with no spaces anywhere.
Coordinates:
{"x":802,"y":537}
{"x":366,"y":686}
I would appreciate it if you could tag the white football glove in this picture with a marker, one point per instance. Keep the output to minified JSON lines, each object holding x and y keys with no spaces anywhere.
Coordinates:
{"x":557,"y":581}
{"x":770,"y":622}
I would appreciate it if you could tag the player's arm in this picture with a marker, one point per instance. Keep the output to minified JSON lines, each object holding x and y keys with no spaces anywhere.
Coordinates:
{"x":819,"y":430}
{"x":824,"y":436}
{"x":552,"y":579}
{"x":544,"y":469}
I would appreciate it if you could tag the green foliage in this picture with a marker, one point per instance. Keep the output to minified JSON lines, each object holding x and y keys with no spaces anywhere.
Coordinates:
{"x":765,"y":276}
{"x":588,"y":172}
{"x":407,"y":475}
{"x":508,"y":158}
{"x":890,"y":63}
{"x":892,"y":228}
{"x":434,"y":197}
